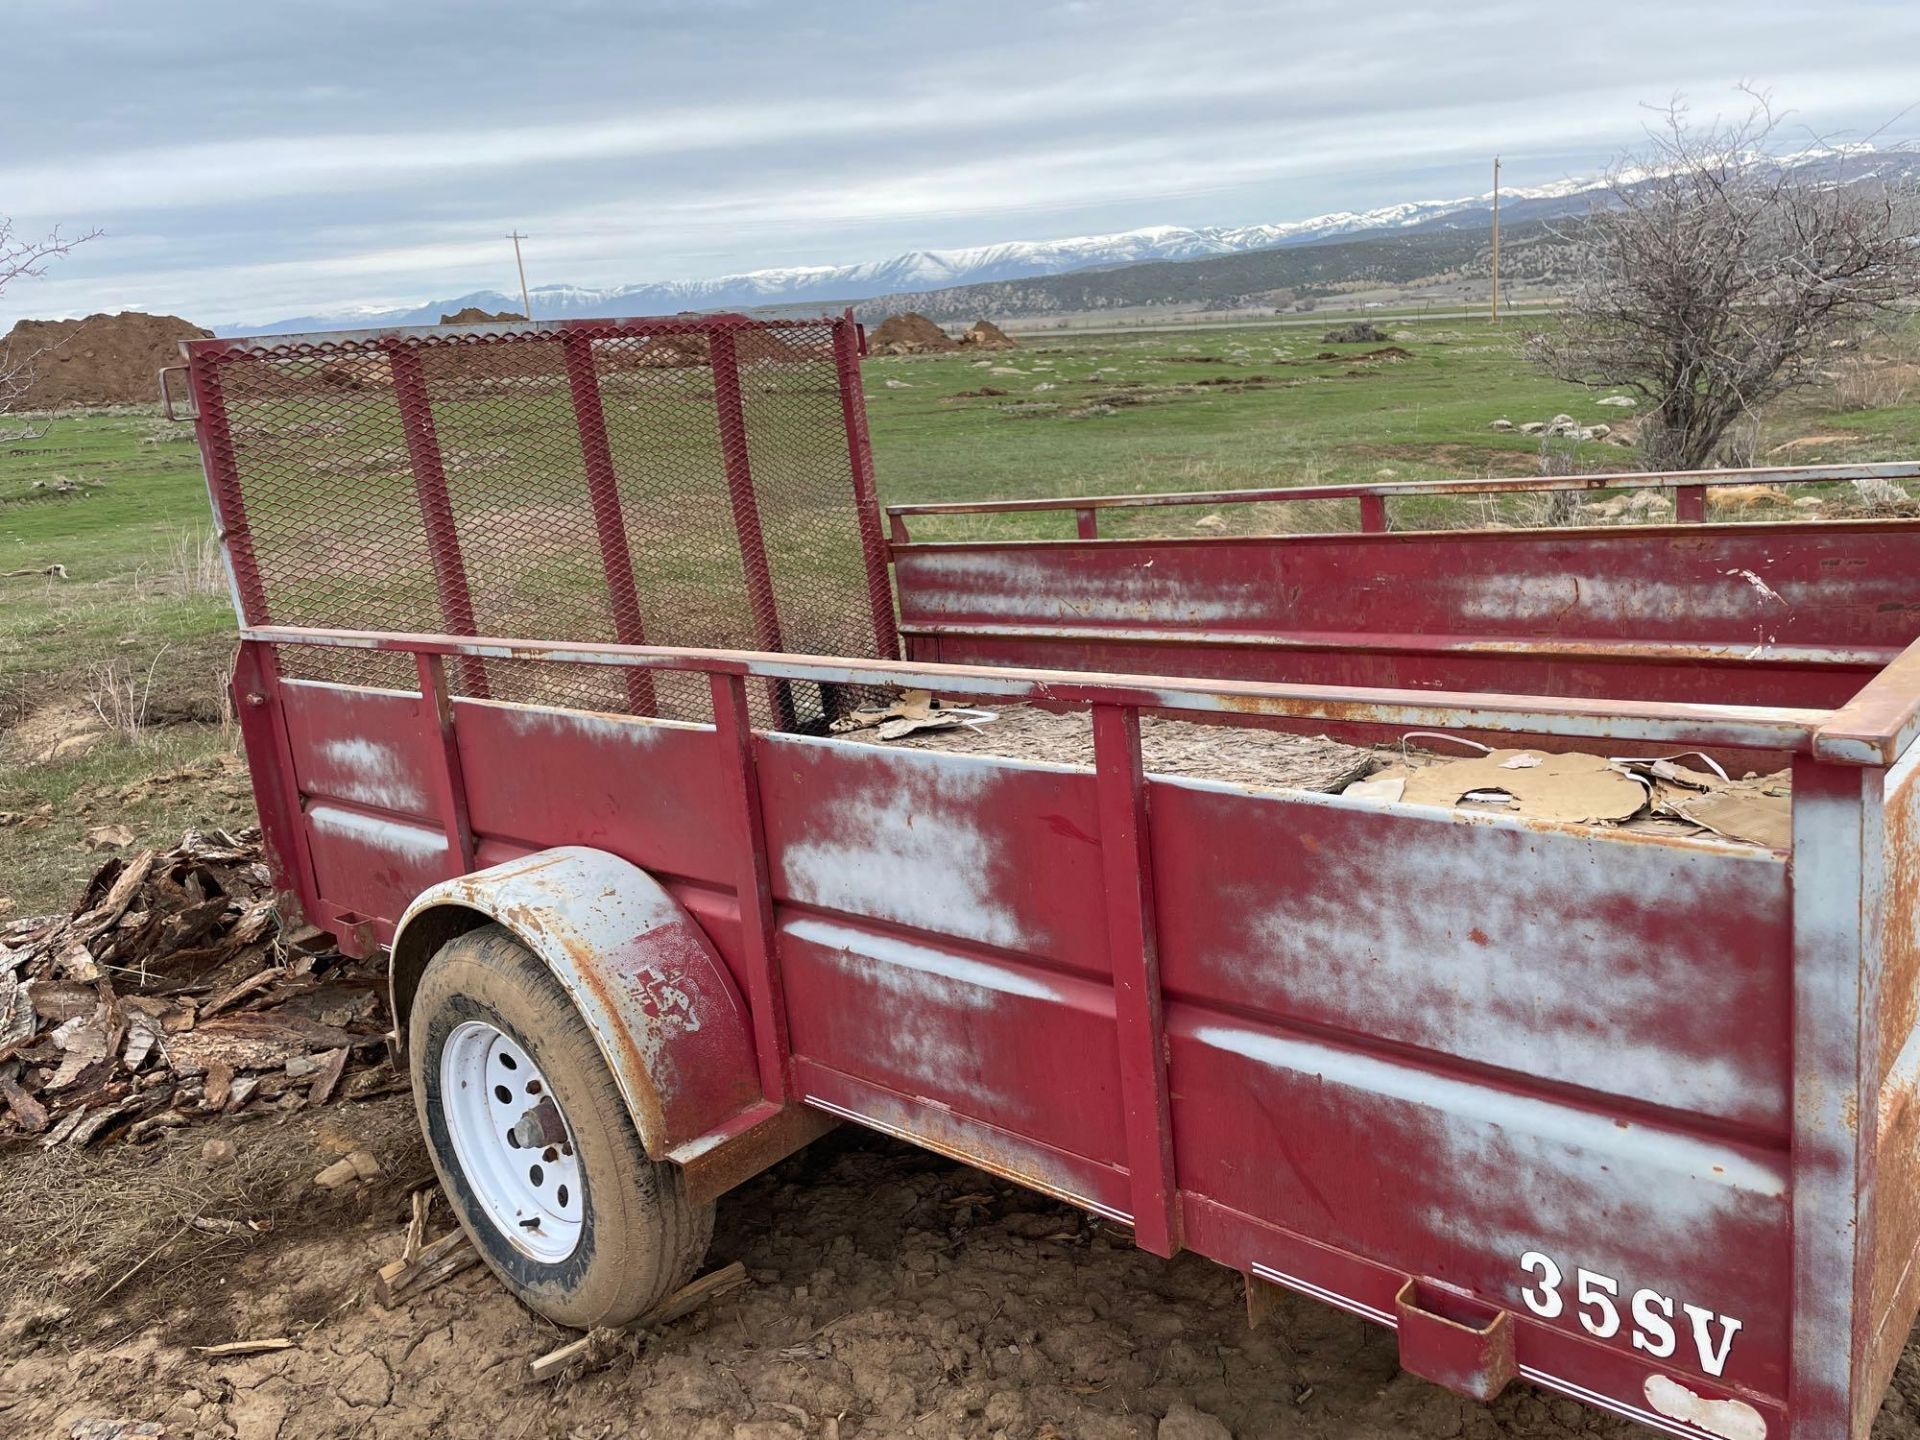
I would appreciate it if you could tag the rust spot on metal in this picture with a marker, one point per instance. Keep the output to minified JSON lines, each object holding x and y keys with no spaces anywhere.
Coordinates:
{"x":741,"y":1156}
{"x":1477,"y":935}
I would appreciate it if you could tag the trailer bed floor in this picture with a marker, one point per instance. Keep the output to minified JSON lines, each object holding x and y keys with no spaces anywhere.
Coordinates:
{"x":1237,"y":754}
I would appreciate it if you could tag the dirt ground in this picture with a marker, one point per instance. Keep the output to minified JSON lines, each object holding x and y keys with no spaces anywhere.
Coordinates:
{"x":894,"y":1293}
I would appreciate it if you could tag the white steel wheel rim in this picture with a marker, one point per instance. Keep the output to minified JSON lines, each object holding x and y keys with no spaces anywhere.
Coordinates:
{"x":512,"y":1141}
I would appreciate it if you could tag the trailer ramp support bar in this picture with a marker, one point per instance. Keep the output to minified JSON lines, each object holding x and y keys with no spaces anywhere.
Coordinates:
{"x":436,"y":508}
{"x":732,"y":417}
{"x":873,"y":547}
{"x":1138,"y":1012}
{"x":222,"y":469}
{"x":609,"y":521}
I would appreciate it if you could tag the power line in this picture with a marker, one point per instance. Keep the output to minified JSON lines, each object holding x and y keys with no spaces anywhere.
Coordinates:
{"x":526,"y":307}
{"x":1496,"y":238}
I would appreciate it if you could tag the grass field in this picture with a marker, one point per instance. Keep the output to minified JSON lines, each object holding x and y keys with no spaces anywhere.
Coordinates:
{"x":113,"y":674}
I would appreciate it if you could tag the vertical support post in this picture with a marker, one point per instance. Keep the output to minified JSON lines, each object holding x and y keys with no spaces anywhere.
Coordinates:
{"x":222,"y":471}
{"x":436,"y":509}
{"x":609,"y":522}
{"x":873,"y":549}
{"x":753,"y":885}
{"x":732,"y":419}
{"x":449,"y":782}
{"x":897,"y":529}
{"x":1839,"y":880}
{"x":1139,"y":1017}
{"x":1690,"y":504}
{"x":1086,"y":524}
{"x":1373,"y":513}
{"x":276,"y":788}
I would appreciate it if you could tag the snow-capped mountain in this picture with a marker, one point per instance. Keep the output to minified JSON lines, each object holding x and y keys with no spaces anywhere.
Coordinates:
{"x":919,"y":271}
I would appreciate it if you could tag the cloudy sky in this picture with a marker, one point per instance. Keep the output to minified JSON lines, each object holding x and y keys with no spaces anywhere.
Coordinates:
{"x":248,"y":160}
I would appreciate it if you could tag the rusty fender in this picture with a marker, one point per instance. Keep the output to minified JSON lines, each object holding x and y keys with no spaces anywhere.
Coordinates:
{"x":659,"y":1001}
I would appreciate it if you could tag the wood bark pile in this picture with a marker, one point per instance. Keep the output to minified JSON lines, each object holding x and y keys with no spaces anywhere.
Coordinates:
{"x":169,"y":995}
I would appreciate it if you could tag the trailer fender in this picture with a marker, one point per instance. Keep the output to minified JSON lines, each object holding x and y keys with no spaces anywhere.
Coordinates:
{"x":657,"y":997}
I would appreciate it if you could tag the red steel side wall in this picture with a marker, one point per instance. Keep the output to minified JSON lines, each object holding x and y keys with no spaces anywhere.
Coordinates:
{"x":1398,"y":1043}
{"x":1894,"y":1246}
{"x":1439,"y":610}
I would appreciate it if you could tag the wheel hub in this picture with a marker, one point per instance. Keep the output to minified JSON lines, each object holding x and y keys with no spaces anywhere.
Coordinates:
{"x":512,"y":1140}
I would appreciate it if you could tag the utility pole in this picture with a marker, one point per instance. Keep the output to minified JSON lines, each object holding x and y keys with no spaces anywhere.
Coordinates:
{"x":1496,"y":239}
{"x":526,"y":307}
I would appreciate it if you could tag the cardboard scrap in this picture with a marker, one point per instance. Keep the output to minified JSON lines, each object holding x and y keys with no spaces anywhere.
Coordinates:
{"x":1758,"y":810}
{"x":1571,"y":786}
{"x":914,"y":710}
{"x":1656,"y":796}
{"x":1383,"y":787}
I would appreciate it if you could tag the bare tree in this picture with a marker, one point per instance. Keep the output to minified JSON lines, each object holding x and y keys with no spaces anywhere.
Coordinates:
{"x":25,"y":259}
{"x":1713,"y":274}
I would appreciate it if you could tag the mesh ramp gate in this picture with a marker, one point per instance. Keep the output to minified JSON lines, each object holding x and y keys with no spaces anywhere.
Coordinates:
{"x":698,"y":481}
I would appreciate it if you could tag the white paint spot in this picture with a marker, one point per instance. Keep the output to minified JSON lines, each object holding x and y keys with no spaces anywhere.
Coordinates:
{"x":1533,"y":599}
{"x":1640,"y":1148}
{"x":1039,"y":588}
{"x":919,"y":957}
{"x":533,"y":722}
{"x":352,"y":691}
{"x":1754,"y":580}
{"x":1729,"y":1419}
{"x":939,"y":1009}
{"x":412,"y":842}
{"x":1635,"y":1200}
{"x":1442,"y":936}
{"x":372,"y":773}
{"x":691,"y":1150}
{"x":906,"y":846}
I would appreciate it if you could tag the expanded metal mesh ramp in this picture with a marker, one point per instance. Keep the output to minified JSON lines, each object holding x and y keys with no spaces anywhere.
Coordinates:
{"x":699,"y":481}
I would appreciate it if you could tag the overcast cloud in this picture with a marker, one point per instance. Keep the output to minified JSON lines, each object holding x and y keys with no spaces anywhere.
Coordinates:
{"x":253,"y":160}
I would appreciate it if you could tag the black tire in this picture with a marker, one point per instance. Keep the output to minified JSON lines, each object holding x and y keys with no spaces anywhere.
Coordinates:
{"x":641,"y":1238}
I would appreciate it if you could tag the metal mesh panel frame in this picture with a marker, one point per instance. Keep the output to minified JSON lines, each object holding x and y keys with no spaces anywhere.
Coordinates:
{"x":697,"y":480}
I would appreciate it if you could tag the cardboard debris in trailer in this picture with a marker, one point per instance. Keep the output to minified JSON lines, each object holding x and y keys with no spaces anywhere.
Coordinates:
{"x":1659,"y":795}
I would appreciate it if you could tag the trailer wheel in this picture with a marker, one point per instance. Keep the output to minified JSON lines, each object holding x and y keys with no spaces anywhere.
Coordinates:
{"x":533,"y":1144}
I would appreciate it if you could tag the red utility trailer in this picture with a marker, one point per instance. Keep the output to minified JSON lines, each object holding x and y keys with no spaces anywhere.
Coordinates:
{"x":544,"y":632}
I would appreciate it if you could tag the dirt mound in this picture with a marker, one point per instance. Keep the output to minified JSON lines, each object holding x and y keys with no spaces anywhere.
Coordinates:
{"x":910,"y":334}
{"x":101,"y":360}
{"x":985,"y":335}
{"x":1361,"y":332}
{"x":474,"y":315}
